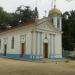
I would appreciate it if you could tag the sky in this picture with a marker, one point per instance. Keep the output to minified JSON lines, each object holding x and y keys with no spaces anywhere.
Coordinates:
{"x":42,"y":5}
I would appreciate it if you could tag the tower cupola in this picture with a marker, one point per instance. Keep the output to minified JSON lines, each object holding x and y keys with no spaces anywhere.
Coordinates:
{"x":55,"y":17}
{"x":55,"y":12}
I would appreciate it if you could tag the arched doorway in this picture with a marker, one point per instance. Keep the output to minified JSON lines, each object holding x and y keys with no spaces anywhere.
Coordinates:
{"x":5,"y":49}
{"x":45,"y":48}
{"x":23,"y":44}
{"x":22,"y":49}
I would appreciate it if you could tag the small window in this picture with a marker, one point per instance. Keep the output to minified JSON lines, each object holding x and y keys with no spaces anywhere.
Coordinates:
{"x":12,"y":43}
{"x":23,"y":38}
{"x":0,"y":43}
{"x":58,"y":22}
{"x":52,"y":20}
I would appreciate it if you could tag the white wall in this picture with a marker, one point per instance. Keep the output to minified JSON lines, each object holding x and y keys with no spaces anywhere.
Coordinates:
{"x":58,"y":46}
{"x":17,"y":43}
{"x":34,"y":46}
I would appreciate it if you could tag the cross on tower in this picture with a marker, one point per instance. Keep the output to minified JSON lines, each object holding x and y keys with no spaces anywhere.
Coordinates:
{"x":53,"y":3}
{"x":36,"y":3}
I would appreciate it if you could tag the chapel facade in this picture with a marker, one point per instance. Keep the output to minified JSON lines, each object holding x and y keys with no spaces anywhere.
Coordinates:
{"x":33,"y":41}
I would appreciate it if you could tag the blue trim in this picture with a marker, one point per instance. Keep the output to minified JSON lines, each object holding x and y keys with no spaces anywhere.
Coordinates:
{"x":25,"y":57}
{"x":31,"y":57}
{"x":56,"y":56}
{"x":15,"y":56}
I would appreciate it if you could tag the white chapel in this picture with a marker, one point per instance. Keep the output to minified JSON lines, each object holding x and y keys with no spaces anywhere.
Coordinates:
{"x":35,"y":40}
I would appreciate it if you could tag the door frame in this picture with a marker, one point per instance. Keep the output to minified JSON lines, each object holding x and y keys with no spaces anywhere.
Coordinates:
{"x":5,"y":49}
{"x":23,"y":48}
{"x":45,"y":50}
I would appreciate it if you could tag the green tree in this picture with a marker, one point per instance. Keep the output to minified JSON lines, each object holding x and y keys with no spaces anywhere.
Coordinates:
{"x":21,"y":15}
{"x":68,"y":30}
{"x":24,"y":13}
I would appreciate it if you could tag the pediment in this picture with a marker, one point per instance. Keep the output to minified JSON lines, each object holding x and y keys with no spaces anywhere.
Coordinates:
{"x":45,"y":26}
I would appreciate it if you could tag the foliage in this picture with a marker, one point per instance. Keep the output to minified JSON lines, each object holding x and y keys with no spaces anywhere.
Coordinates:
{"x":69,"y":30}
{"x":21,"y":15}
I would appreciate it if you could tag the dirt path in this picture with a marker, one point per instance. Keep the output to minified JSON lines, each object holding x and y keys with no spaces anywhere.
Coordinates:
{"x":14,"y":67}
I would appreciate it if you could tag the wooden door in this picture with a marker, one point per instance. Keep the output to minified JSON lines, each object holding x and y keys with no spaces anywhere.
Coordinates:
{"x":5,"y":49}
{"x":45,"y":50}
{"x":22,"y":49}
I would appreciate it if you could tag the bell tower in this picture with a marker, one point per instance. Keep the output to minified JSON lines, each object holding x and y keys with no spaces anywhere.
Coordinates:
{"x":55,"y":17}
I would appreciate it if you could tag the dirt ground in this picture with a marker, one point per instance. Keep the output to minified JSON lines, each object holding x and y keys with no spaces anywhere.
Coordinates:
{"x":15,"y":67}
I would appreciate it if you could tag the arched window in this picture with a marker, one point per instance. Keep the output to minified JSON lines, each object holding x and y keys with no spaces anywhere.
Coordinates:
{"x":12,"y":43}
{"x":0,"y":43}
{"x":58,"y":22}
{"x":52,"y":20}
